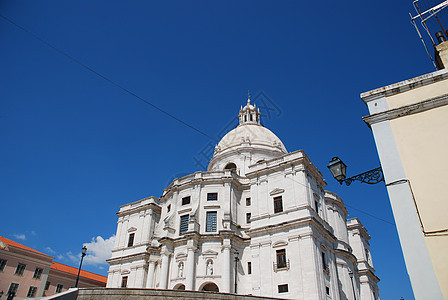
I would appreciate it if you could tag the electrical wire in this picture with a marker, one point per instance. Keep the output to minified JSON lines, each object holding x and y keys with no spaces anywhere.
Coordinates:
{"x":144,"y":100}
{"x":105,"y":78}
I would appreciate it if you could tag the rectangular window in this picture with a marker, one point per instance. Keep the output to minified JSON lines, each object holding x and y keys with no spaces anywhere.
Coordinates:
{"x":212,"y":197}
{"x":2,"y":264}
{"x":131,"y":240}
{"x":316,"y":206}
{"x":168,"y":208}
{"x":211,"y":221}
{"x":278,"y":204}
{"x":249,"y":268}
{"x":324,"y":261}
{"x":184,"y":223}
{"x":31,"y":292}
{"x":59,"y":288}
{"x":20,"y":269}
{"x":13,"y":289}
{"x":47,"y":285}
{"x":247,"y":201}
{"x":186,"y":200}
{"x":124,"y":281}
{"x":248,"y":215}
{"x":37,"y":273}
{"x":283,"y":288}
{"x":327,"y":290}
{"x":281,"y":258}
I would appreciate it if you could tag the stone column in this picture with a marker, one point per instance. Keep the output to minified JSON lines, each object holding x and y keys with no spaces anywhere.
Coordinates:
{"x":150,"y":277}
{"x":165,"y":267}
{"x":190,"y":266}
{"x":226,"y":269}
{"x":146,"y":226}
{"x":140,"y":277}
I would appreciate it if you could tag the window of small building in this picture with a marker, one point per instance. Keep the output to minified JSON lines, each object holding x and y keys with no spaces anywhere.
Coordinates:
{"x":212,"y":196}
{"x":13,"y":288}
{"x":249,"y":267}
{"x":248,"y":201}
{"x":37,"y":273}
{"x":248,"y":218}
{"x":20,"y":269}
{"x":211,"y":221}
{"x":184,"y":223}
{"x":124,"y":281}
{"x":186,"y":200}
{"x":281,"y":258}
{"x":31,"y":292}
{"x":282,"y":288}
{"x":131,"y":240}
{"x":327,"y":290}
{"x":278,"y":204}
{"x":47,"y":285}
{"x":168,"y":208}
{"x":59,"y":288}
{"x":2,"y":264}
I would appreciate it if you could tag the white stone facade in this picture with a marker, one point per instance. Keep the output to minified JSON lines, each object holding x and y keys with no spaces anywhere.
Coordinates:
{"x":256,"y":202}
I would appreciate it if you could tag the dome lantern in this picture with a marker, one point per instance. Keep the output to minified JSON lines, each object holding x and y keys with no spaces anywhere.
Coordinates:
{"x":249,"y":114}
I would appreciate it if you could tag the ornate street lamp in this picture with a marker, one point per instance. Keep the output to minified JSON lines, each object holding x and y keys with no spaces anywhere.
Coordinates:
{"x":84,"y":250}
{"x":236,"y":266}
{"x":339,"y":169}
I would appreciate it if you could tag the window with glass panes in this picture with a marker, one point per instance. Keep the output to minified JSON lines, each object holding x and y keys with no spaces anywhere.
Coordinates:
{"x":184,"y":223}
{"x":281,"y":258}
{"x":278,"y":204}
{"x":186,"y":200}
{"x":131,"y":240}
{"x":31,"y":292}
{"x":212,"y":196}
{"x":13,"y":288}
{"x":2,"y":264}
{"x":37,"y":273}
{"x":211,"y":221}
{"x":59,"y":288}
{"x":20,"y":269}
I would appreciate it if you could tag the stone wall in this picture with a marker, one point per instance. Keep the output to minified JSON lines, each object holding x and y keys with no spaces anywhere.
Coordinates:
{"x":137,"y":294}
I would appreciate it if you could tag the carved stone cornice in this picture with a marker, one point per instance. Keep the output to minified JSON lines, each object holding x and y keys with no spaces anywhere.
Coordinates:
{"x":407,"y":110}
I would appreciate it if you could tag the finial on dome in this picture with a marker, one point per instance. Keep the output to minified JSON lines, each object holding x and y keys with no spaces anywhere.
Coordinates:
{"x":248,"y":97}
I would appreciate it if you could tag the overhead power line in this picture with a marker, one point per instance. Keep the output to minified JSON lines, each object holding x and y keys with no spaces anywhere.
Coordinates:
{"x":106,"y":78}
{"x":140,"y":98}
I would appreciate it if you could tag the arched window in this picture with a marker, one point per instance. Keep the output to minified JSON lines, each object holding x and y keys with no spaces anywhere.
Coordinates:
{"x":230,"y":166}
{"x":210,"y":287}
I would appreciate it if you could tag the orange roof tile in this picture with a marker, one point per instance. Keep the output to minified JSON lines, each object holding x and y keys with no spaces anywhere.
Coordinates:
{"x":72,"y":270}
{"x":15,"y":244}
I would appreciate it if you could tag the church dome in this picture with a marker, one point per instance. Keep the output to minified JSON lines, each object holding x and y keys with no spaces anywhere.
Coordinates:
{"x":246,"y":144}
{"x":253,"y":135}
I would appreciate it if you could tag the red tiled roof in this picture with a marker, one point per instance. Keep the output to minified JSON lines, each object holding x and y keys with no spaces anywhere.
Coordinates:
{"x":17,"y":245}
{"x":71,"y":270}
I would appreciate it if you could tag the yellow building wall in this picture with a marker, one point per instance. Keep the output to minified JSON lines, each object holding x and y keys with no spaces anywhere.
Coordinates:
{"x":422,"y":142}
{"x":417,"y":95}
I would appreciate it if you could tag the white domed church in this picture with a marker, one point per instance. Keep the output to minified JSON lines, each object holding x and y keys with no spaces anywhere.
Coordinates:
{"x":257,"y":222}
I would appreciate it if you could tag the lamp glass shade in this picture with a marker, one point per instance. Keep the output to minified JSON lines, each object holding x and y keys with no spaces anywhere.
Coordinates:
{"x":84,"y":250}
{"x":236,"y":254}
{"x":337,"y":168}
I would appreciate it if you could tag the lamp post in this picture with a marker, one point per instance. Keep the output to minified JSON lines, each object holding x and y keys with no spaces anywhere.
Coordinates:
{"x":236,"y":267}
{"x":84,"y":249}
{"x":350,"y":273}
{"x":339,"y":170}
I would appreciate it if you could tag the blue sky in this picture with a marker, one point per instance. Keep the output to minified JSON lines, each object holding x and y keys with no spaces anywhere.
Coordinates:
{"x":74,"y":147}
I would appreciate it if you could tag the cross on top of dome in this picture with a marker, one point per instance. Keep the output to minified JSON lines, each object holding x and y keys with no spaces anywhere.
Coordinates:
{"x":249,"y":114}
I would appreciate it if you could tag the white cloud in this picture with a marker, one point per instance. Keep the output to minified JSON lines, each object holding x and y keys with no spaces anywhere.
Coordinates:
{"x":20,"y":236}
{"x":51,"y":251}
{"x":98,"y":250}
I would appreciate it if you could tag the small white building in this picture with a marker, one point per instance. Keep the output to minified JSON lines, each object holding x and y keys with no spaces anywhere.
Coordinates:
{"x":258,"y":222}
